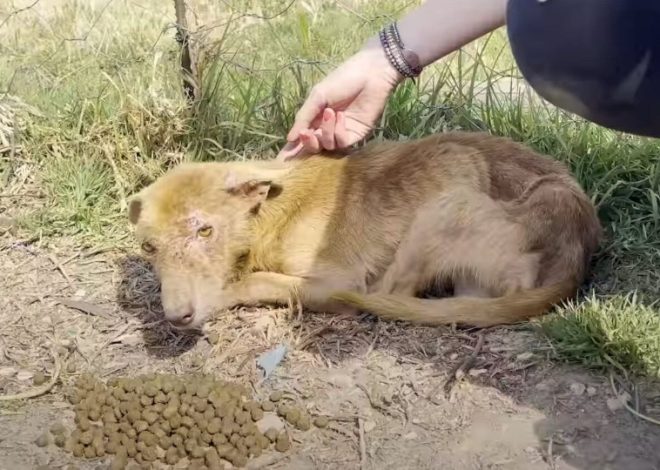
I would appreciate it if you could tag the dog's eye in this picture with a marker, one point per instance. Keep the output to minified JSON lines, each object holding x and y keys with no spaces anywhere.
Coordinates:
{"x":148,"y":248}
{"x":205,"y":232}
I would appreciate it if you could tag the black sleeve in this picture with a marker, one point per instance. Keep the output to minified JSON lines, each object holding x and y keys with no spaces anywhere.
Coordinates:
{"x":599,"y":59}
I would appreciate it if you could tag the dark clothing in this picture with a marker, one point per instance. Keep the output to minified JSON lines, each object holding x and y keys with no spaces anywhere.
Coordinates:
{"x":599,"y":59}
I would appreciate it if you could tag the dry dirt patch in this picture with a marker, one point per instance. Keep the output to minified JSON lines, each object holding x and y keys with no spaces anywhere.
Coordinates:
{"x":382,"y":384}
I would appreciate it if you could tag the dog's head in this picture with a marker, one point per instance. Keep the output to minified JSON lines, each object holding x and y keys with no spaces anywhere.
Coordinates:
{"x":192,"y":225}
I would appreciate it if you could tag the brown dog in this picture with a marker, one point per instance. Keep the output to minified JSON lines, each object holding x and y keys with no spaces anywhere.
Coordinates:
{"x":509,"y":231}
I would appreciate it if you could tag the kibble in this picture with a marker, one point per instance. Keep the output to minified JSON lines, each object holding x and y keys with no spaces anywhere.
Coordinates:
{"x":165,"y":418}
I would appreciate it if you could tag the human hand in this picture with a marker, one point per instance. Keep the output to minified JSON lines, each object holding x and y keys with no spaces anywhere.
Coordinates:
{"x":342,"y":109}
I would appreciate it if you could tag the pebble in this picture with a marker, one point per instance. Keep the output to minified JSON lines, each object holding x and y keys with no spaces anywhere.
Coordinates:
{"x":369,"y":426}
{"x":577,"y":388}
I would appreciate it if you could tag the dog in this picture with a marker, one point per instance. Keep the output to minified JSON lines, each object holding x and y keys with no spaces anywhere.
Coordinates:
{"x":504,"y":232}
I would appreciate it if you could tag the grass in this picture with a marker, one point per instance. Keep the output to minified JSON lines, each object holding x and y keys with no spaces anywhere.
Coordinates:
{"x":111,"y":117}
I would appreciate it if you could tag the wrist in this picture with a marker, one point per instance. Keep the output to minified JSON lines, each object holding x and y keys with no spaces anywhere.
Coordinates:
{"x":378,"y":58}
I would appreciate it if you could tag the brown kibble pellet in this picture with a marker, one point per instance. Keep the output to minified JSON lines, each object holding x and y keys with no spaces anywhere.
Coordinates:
{"x":250,"y":440}
{"x":283,"y":409}
{"x":219,"y":439}
{"x":276,"y":396}
{"x":171,"y":456}
{"x":197,"y":452}
{"x":94,"y":414}
{"x":268,"y":405}
{"x":271,"y":434}
{"x":78,"y":450}
{"x":146,"y":400}
{"x":165,"y":442}
{"x":256,"y":413}
{"x":292,"y":415}
{"x":304,"y":422}
{"x":58,"y":428}
{"x":214,"y":425}
{"x":133,"y":415}
{"x":89,"y":452}
{"x":86,"y":437}
{"x":150,"y":454}
{"x":321,"y":422}
{"x":83,"y":423}
{"x":282,"y":444}
{"x":263,"y":441}
{"x":43,"y":440}
{"x":60,"y":440}
{"x":177,"y":440}
{"x":140,"y":426}
{"x":148,"y":438}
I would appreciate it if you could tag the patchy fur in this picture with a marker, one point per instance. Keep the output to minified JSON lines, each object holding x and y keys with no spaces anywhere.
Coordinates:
{"x":508,"y":231}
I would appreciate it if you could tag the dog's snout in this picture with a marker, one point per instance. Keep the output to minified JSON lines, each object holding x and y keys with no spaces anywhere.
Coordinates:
{"x":183,"y":317}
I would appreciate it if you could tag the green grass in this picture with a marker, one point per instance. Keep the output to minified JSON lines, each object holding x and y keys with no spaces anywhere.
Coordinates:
{"x":112,"y":117}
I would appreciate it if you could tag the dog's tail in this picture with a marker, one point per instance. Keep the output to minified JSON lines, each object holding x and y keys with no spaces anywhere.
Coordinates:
{"x":468,"y":311}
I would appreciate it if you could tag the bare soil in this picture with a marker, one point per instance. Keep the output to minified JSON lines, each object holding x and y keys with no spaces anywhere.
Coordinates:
{"x":382,"y":384}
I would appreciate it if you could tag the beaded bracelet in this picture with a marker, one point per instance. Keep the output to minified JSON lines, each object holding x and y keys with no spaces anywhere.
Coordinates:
{"x":403,"y":60}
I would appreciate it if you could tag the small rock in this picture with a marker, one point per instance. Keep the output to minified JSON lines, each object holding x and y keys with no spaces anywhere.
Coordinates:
{"x":39,"y":379}
{"x":453,"y":356}
{"x":24,"y":375}
{"x":410,"y":436}
{"x":369,"y":426}
{"x":43,"y":440}
{"x":577,"y":388}
{"x":591,"y":391}
{"x":270,"y":420}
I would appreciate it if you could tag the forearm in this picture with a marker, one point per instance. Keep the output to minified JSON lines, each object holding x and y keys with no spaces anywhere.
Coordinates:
{"x":439,"y":27}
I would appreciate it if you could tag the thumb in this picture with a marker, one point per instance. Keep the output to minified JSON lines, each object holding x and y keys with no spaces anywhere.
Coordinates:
{"x":309,"y":111}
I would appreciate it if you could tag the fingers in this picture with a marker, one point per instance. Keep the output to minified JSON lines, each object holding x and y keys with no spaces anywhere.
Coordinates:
{"x":342,"y":137}
{"x":327,"y":128}
{"x":291,"y":150}
{"x":310,"y":141}
{"x":309,"y":111}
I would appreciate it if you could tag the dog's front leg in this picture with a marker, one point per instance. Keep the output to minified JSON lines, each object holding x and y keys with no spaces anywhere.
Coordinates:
{"x":274,"y":288}
{"x":262,"y":288}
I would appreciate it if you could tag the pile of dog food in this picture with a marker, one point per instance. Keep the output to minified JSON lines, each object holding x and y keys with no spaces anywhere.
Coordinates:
{"x":167,"y":418}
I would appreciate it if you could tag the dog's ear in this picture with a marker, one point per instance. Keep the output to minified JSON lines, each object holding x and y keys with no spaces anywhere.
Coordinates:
{"x":250,"y":188}
{"x":134,"y":209}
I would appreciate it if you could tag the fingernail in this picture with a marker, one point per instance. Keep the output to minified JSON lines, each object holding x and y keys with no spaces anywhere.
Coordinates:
{"x":327,"y":115}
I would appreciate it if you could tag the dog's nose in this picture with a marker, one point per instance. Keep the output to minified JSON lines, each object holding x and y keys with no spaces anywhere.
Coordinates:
{"x":184,"y":318}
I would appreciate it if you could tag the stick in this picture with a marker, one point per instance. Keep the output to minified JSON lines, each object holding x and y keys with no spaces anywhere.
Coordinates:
{"x":461,"y":369}
{"x":183,"y":38}
{"x":363,"y":445}
{"x":35,"y":392}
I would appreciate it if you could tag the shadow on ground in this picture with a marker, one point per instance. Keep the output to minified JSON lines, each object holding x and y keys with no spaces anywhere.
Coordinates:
{"x":138,"y":294}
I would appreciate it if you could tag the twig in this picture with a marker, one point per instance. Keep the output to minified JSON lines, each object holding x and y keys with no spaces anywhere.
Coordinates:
{"x":183,"y":38}
{"x":59,"y":268}
{"x":462,"y":368}
{"x":35,"y":392}
{"x":617,"y":394}
{"x":363,"y":445}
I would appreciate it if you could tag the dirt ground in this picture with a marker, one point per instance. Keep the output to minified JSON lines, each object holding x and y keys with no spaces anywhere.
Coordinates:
{"x":382,"y":384}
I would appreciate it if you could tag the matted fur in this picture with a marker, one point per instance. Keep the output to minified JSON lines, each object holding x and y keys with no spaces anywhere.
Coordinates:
{"x":508,"y":231}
